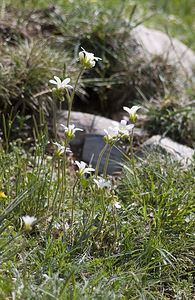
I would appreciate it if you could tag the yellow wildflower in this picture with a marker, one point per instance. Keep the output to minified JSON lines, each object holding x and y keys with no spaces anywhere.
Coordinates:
{"x":2,"y":195}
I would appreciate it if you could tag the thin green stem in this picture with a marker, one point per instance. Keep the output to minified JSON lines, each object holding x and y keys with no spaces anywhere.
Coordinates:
{"x":70,"y":98}
{"x":64,"y":162}
{"x":54,"y":120}
{"x":72,"y":210}
{"x":5,"y":133}
{"x":104,"y":213}
{"x":74,"y":89}
{"x":63,"y":189}
{"x":50,"y":182}
{"x":107,"y":159}
{"x":92,"y":212}
{"x":73,"y":202}
{"x":99,"y":159}
{"x":7,"y":128}
{"x":69,"y":108}
{"x":132,"y":158}
{"x":58,"y":185}
{"x":131,"y":149}
{"x":102,"y":201}
{"x":115,"y":224}
{"x":114,"y":217}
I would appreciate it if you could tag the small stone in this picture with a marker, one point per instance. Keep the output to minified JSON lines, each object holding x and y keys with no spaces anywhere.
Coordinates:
{"x":179,"y":152}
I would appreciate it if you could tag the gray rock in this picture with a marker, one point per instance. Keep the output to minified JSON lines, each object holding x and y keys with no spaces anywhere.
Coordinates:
{"x":177,"y":151}
{"x":157,"y":43}
{"x":88,"y":144}
{"x":88,"y":122}
{"x":93,"y":145}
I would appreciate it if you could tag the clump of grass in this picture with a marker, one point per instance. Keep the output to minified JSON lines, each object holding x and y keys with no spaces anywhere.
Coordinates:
{"x":171,"y":118}
{"x":159,"y":202}
{"x":25,"y":71}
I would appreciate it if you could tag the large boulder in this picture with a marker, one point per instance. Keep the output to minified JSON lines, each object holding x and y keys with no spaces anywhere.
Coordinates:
{"x":88,"y":143}
{"x":91,"y":124}
{"x":157,"y":43}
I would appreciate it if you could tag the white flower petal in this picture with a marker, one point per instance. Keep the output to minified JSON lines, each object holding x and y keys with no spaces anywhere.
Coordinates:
{"x":131,"y":110}
{"x":117,"y":205}
{"x":130,"y":126}
{"x":65,"y":81}
{"x":77,"y":163}
{"x":65,"y":127}
{"x":135,"y":108}
{"x":68,"y":86}
{"x":101,"y":183}
{"x":123,"y":122}
{"x":28,"y":220}
{"x":88,"y":170}
{"x":87,"y":59}
{"x":127,"y":109}
{"x":82,"y":168}
{"x":82,"y":165}
{"x":68,"y":150}
{"x":81,"y":55}
{"x":57,"y":80}
{"x":78,"y":129}
{"x":52,"y":81}
{"x":71,"y":126}
{"x":109,"y":207}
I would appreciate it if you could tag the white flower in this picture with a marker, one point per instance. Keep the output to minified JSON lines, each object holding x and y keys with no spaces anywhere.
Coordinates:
{"x":101,"y":183}
{"x":61,"y":84}
{"x":61,"y":148}
{"x":70,"y":130}
{"x":82,"y":168}
{"x":87,"y":59}
{"x":111,"y":133}
{"x":132,"y":111}
{"x":125,"y":129}
{"x":28,"y":221}
{"x":116,"y":204}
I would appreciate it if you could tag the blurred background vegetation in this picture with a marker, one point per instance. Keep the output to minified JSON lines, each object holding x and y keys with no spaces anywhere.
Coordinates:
{"x":39,"y":39}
